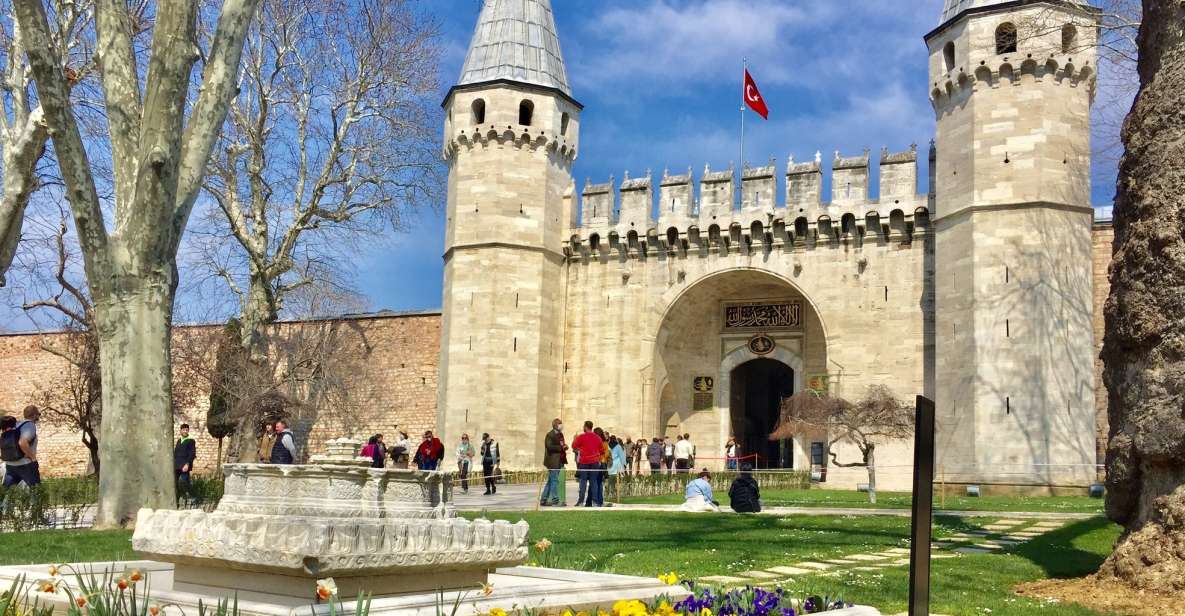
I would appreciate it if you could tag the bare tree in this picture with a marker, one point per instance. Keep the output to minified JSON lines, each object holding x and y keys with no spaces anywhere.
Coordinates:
{"x":73,"y":400}
{"x":327,"y":142}
{"x":1144,"y":369}
{"x":1116,"y":23}
{"x":23,"y":130}
{"x":160,"y":141}
{"x":316,"y":374}
{"x":876,"y":418}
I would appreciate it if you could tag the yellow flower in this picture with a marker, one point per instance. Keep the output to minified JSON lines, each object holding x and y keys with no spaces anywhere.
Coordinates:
{"x":629,"y":608}
{"x":664,"y":609}
{"x":47,"y":586}
{"x":705,"y":611}
{"x":154,"y":610}
{"x":53,"y":570}
{"x":134,"y":575}
{"x":543,"y":544}
{"x":497,"y":611}
{"x":326,"y":588}
{"x":81,"y":601}
{"x":670,"y":579}
{"x":121,"y":584}
{"x":487,"y":589}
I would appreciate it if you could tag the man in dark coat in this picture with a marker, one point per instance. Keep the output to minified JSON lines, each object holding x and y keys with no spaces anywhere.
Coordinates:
{"x":554,"y":458}
{"x":184,"y":453}
{"x":744,"y":494}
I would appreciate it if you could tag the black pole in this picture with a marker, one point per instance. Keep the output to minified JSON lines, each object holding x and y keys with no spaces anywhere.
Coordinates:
{"x":923,"y":508}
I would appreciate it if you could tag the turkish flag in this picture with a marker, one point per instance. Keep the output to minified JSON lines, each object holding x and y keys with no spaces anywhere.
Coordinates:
{"x":753,"y":97}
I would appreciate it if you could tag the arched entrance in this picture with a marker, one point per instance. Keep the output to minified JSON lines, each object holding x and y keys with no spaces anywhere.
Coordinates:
{"x":715,"y":326}
{"x":757,"y":388}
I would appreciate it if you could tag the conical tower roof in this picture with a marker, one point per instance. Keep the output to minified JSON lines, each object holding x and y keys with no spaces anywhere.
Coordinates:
{"x":952,"y":8}
{"x":516,"y":40}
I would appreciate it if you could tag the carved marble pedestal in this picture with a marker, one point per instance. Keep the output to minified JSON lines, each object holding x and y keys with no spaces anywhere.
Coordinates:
{"x":279,"y":528}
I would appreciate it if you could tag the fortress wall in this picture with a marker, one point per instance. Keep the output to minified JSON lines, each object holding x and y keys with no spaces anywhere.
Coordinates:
{"x":397,"y":386}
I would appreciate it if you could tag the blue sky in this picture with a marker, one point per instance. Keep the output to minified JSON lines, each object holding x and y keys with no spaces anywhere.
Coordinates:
{"x":660,"y":81}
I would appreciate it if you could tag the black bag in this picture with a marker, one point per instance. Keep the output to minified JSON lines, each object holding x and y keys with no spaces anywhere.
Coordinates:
{"x":10,"y":448}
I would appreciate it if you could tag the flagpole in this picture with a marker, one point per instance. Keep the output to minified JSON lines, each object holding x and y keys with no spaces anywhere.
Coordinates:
{"x":744,"y":94}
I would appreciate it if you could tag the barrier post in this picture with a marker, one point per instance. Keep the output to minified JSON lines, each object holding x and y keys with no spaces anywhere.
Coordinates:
{"x":923,"y":508}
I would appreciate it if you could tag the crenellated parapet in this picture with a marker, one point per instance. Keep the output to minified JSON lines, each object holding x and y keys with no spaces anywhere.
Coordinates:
{"x":1007,"y":71}
{"x":515,"y":136}
{"x":717,"y":221}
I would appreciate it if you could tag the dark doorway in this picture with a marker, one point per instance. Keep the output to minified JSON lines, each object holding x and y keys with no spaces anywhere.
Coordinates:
{"x":757,"y":388}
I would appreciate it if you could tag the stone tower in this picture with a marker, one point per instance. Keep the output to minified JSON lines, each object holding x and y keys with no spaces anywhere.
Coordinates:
{"x":1012,"y":85}
{"x":510,"y":135}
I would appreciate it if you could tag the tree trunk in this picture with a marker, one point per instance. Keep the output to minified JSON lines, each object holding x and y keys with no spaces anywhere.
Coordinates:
{"x":1143,"y":347}
{"x":133,"y":321}
{"x":870,"y":462}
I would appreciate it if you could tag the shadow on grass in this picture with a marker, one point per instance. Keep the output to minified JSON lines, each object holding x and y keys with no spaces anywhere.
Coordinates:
{"x":1062,"y":553}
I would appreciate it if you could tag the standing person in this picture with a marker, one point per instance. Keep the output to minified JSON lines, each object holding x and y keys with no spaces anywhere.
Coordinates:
{"x":465,"y":455}
{"x":8,"y":443}
{"x":683,"y":455}
{"x":554,"y":458}
{"x":602,"y":469}
{"x":379,"y":455}
{"x":588,"y":462}
{"x":628,"y":446}
{"x":266,"y":442}
{"x":618,"y":463}
{"x":20,"y":450}
{"x":184,"y":453}
{"x":668,"y":453}
{"x":691,"y":458}
{"x":489,"y":461}
{"x":654,"y":455}
{"x":284,"y":450}
{"x":637,"y":453}
{"x":730,"y":453}
{"x":429,"y":453}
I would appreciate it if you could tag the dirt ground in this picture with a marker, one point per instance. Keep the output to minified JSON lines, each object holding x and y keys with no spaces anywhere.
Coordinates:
{"x":1105,"y":596}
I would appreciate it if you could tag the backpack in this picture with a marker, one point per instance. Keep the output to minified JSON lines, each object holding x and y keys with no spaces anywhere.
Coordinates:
{"x":10,"y":448}
{"x":367,"y":451}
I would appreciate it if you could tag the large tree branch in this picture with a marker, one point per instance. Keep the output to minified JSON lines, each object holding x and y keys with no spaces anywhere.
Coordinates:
{"x":205,"y":122}
{"x":53,"y":91}
{"x":121,"y":90}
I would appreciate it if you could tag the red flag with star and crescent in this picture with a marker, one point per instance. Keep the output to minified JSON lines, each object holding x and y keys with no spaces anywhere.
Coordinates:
{"x":753,"y":97}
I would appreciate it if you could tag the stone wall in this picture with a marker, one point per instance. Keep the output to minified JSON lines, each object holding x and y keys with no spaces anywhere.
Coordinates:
{"x":1102,"y":236}
{"x":396,"y":385}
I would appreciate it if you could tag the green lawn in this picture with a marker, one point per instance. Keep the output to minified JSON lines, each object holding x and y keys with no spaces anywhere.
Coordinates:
{"x":694,"y":545}
{"x":901,"y":500}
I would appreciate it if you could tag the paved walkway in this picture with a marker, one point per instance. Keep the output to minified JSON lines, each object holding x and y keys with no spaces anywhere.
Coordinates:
{"x":999,"y":536}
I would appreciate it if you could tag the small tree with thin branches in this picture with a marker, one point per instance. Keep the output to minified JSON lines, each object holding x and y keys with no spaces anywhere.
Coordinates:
{"x":876,"y":418}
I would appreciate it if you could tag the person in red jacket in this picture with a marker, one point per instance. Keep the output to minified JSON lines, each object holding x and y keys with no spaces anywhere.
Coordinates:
{"x":430,"y":452}
{"x":588,"y":464}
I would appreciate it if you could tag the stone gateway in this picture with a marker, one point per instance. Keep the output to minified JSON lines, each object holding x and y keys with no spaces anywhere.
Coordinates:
{"x":607,"y":302}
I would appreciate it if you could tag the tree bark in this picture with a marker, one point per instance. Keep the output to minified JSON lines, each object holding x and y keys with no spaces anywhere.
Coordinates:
{"x":870,"y":462}
{"x":133,"y":326}
{"x":1144,"y":344}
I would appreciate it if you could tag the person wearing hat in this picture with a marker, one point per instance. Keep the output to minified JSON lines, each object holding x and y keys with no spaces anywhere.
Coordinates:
{"x":184,"y":453}
{"x":697,"y":496}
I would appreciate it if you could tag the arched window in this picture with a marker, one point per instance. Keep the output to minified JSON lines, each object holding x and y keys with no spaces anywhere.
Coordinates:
{"x":479,"y":111}
{"x":1069,"y":38}
{"x":526,"y":109}
{"x":1006,"y":38}
{"x":948,"y":55}
{"x":564,"y":124}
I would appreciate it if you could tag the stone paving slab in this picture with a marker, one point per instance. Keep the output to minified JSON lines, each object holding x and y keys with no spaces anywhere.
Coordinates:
{"x":813,"y":565}
{"x":867,"y":557}
{"x":723,"y":579}
{"x":897,"y":551}
{"x":759,"y":575}
{"x":790,"y":570}
{"x":973,"y":551}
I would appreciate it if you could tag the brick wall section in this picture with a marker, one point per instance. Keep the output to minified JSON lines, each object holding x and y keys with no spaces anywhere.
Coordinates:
{"x":398,"y":386}
{"x":1101,"y":237}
